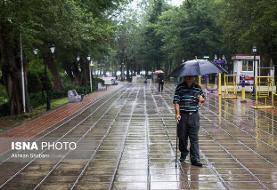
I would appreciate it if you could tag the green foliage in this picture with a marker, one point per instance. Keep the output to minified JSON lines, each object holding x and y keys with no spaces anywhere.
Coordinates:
{"x":75,"y":27}
{"x":199,"y":28}
{"x":4,"y":109}
{"x":166,"y":34}
{"x":250,"y":23}
{"x":3,"y":95}
{"x":4,"y":105}
{"x":34,"y":82}
{"x":37,"y":99}
{"x":37,"y":80}
{"x":159,"y":39}
{"x":59,"y":102}
{"x":190,"y":31}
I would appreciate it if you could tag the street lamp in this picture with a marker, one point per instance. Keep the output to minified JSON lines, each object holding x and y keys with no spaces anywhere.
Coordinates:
{"x":48,"y":101}
{"x":122,"y":64}
{"x":78,"y":58}
{"x":91,"y":74}
{"x":35,"y":51}
{"x":215,"y":57}
{"x":52,"y":49}
{"x":254,"y":51}
{"x":90,"y":77}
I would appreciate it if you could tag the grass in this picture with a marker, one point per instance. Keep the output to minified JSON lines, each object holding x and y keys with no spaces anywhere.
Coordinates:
{"x":59,"y":102}
{"x":8,"y":122}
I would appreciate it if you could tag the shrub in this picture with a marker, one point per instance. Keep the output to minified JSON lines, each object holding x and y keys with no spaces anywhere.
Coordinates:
{"x":34,"y":82}
{"x":5,"y":109}
{"x":37,"y":99}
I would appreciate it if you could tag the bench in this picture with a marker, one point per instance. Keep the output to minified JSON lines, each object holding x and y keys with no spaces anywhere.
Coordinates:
{"x":73,"y":96}
{"x":101,"y":87}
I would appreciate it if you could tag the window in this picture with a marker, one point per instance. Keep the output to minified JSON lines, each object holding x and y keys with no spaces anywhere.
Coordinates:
{"x":247,"y":65}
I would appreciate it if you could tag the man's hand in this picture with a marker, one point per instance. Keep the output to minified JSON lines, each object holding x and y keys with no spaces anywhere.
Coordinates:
{"x":201,"y":99}
{"x":178,"y":117}
{"x":177,"y":111}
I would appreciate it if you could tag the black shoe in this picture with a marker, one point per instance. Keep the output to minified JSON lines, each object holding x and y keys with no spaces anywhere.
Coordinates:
{"x":182,"y":158}
{"x":196,"y":163}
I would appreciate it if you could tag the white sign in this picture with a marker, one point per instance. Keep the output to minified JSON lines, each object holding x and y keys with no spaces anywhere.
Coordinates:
{"x":245,"y":57}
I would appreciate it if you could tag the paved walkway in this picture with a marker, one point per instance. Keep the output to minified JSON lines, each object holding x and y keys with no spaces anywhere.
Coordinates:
{"x":54,"y":117}
{"x":127,"y":141}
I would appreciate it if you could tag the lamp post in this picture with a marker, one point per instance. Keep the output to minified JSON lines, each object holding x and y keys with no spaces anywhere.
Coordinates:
{"x":254,"y":51}
{"x":22,"y":76}
{"x":91,"y":74}
{"x":48,"y":100}
{"x":122,"y":64}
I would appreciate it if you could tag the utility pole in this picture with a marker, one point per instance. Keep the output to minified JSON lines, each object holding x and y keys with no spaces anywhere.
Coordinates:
{"x":22,"y":75}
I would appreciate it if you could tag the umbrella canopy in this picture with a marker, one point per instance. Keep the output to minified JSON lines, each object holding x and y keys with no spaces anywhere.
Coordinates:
{"x":158,"y":72}
{"x":196,"y":67}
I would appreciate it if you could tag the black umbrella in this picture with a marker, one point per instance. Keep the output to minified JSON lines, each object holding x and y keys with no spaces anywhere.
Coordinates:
{"x":196,"y":67}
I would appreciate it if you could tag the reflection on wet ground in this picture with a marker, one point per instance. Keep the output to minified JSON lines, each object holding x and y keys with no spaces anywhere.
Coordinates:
{"x":130,"y":144}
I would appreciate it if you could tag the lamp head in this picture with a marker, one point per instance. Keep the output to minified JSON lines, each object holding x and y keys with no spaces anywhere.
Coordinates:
{"x":35,"y":51}
{"x":254,"y":49}
{"x":91,"y":64}
{"x":52,"y":49}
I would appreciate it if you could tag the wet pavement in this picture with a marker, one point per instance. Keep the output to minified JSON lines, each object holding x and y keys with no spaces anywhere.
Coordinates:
{"x":127,"y":141}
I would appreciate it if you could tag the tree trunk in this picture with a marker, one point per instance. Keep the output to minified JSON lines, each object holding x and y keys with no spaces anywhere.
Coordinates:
{"x":10,"y":62}
{"x":28,"y":101}
{"x":13,"y":81}
{"x":57,"y":82}
{"x":274,"y":63}
{"x":77,"y":74}
{"x":69,"y":70}
{"x":85,"y":72}
{"x":128,"y":69}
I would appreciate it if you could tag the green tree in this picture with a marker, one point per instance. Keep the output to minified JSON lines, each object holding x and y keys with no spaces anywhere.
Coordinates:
{"x":84,"y":27}
{"x":153,"y":41}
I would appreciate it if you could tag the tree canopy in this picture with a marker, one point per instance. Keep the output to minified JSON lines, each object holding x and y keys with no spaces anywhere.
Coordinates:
{"x":74,"y":27}
{"x":122,"y":37}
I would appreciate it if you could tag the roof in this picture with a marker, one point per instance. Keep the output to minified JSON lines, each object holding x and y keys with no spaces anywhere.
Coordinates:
{"x":245,"y":57}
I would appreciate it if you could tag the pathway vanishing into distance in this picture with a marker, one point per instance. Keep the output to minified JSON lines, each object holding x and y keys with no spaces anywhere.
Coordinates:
{"x":126,"y":140}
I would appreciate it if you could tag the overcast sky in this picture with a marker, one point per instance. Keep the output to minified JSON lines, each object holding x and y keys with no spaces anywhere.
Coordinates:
{"x":172,"y":2}
{"x":175,"y":2}
{"x":136,"y":6}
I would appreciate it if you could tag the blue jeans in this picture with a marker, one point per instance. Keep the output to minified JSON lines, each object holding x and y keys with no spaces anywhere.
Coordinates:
{"x":188,"y":128}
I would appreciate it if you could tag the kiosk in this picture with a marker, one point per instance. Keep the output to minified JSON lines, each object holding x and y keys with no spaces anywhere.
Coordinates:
{"x":243,"y":68}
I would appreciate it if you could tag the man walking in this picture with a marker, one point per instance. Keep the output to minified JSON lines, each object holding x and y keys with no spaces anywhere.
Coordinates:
{"x":187,"y":97}
{"x":161,"y":82}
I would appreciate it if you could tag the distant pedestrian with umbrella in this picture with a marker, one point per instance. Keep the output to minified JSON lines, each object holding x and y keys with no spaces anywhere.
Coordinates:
{"x":161,"y":82}
{"x":188,"y":96}
{"x":160,"y":77}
